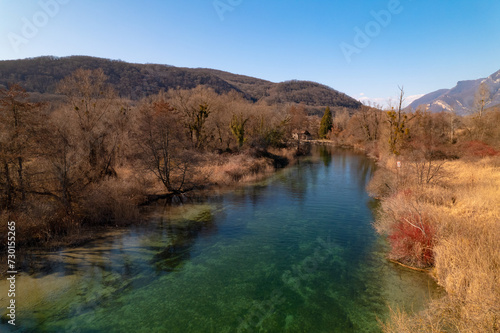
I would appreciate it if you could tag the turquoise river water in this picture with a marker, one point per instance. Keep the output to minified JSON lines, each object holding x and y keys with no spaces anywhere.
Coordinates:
{"x":294,"y":253}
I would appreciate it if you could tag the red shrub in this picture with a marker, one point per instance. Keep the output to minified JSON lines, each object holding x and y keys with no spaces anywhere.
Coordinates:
{"x":406,"y":193}
{"x":478,"y":149}
{"x":412,"y":241}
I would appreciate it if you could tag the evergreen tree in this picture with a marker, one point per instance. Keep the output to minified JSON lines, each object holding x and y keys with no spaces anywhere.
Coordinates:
{"x":326,"y":124}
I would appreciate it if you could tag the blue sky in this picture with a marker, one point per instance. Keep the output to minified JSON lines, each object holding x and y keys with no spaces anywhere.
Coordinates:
{"x":423,"y":45}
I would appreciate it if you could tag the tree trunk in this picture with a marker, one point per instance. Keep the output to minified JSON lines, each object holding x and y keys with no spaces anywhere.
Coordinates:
{"x":8,"y":186}
{"x":21,"y":179}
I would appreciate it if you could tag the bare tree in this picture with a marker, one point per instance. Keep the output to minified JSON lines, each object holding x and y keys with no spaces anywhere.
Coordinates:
{"x":477,"y":126}
{"x":66,"y":163}
{"x":268,"y":125}
{"x":398,"y":121}
{"x":454,"y":122}
{"x":19,"y":120}
{"x":429,"y":136}
{"x":94,"y":103}
{"x":370,"y":119}
{"x":160,"y":141}
{"x":218,"y":125}
{"x":340,"y":119}
{"x":195,"y":106}
{"x":298,"y":118}
{"x":482,"y":98}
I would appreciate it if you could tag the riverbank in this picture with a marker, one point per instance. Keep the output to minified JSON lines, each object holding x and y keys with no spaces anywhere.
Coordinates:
{"x":117,"y":202}
{"x":445,"y":216}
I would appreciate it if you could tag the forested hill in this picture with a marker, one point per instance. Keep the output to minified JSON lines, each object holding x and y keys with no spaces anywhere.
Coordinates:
{"x":135,"y":81}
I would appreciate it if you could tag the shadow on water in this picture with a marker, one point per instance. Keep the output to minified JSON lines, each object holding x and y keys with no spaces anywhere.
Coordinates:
{"x":182,"y":237}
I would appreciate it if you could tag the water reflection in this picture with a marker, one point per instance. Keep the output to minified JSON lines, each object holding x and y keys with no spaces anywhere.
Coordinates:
{"x":326,"y":154}
{"x":297,"y":181}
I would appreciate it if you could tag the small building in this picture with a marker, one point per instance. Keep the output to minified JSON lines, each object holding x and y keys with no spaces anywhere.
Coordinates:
{"x":301,"y":135}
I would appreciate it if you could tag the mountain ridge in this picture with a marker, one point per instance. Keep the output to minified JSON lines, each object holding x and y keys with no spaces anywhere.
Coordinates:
{"x":135,"y":81}
{"x":461,"y":98}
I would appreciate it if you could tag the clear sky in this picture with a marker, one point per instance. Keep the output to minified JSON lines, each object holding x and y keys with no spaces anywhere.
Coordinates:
{"x":360,"y":47}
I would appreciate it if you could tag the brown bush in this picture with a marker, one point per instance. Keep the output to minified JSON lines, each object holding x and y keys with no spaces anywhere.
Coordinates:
{"x":383,"y":184}
{"x":111,"y":201}
{"x":39,"y":222}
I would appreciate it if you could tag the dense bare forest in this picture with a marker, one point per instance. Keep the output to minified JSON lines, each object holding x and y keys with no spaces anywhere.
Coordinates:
{"x":93,"y":157}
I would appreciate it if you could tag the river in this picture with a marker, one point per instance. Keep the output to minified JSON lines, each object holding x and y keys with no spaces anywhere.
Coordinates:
{"x":293,"y":253}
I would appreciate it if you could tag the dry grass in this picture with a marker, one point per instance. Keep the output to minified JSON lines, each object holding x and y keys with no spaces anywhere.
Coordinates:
{"x":231,"y":169}
{"x":465,"y":210}
{"x":402,"y":322}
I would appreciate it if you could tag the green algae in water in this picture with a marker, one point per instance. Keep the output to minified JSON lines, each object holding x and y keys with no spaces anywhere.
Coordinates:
{"x":293,"y":254}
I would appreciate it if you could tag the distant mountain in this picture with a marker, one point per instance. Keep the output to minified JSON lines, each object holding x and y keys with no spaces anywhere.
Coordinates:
{"x":461,"y":97}
{"x":134,"y":81}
